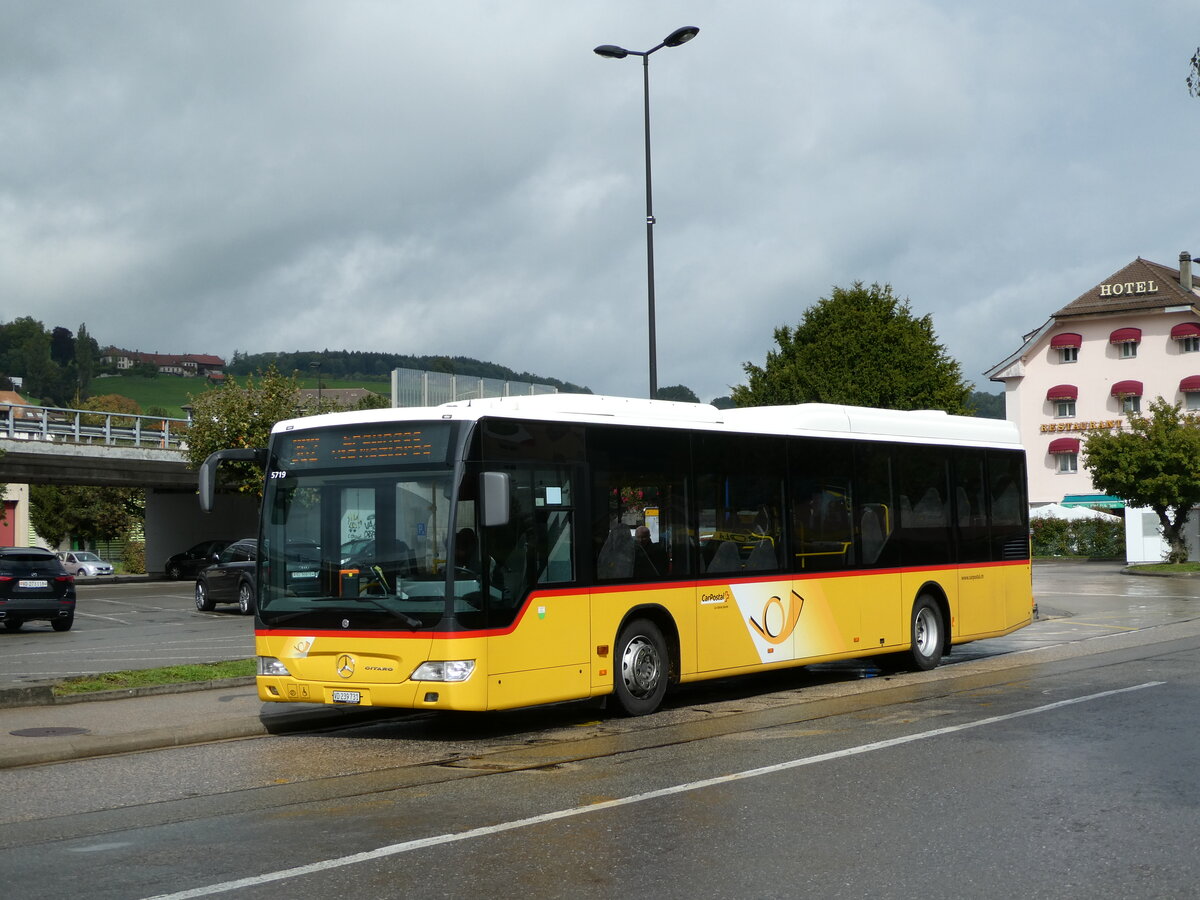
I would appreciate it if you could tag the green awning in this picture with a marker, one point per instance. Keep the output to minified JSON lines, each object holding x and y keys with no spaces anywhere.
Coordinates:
{"x":1104,"y":501}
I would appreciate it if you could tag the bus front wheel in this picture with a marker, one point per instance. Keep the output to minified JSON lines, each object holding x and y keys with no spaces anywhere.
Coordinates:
{"x":641,"y":676}
{"x":928,"y":634}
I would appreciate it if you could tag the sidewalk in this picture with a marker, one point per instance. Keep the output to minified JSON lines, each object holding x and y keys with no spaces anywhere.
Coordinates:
{"x":118,"y":723}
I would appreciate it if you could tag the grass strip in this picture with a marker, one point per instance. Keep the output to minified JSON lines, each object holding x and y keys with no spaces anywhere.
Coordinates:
{"x":1186,"y":568}
{"x":135,"y":678}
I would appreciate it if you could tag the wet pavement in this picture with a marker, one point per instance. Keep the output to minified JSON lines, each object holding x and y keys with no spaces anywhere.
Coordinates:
{"x":1078,"y":602}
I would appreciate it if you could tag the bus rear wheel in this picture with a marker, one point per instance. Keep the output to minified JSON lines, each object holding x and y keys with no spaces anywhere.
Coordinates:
{"x":928,"y":634}
{"x":642,"y":668}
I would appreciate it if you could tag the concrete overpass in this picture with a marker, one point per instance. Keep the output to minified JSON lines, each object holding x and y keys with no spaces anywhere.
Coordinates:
{"x":77,"y":447}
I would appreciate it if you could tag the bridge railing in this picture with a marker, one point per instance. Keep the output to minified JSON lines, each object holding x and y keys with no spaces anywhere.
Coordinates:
{"x":87,"y":426}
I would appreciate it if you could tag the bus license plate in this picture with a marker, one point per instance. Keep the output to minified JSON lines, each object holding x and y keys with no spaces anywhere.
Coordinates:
{"x":33,"y":583}
{"x":347,"y":696}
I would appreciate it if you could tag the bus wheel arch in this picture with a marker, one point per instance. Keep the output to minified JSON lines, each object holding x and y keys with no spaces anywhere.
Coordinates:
{"x":645,"y":660}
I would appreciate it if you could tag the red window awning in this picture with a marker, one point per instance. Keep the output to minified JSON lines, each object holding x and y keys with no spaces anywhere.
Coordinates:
{"x":1185,"y":330}
{"x":1125,"y":336}
{"x":1066,"y":339}
{"x":1190,"y":385}
{"x":1064,"y":445}
{"x":1127,"y":389}
{"x":1063,"y":392}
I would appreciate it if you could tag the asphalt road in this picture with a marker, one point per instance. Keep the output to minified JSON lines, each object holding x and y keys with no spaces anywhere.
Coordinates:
{"x":1058,"y":762}
{"x":137,"y":625}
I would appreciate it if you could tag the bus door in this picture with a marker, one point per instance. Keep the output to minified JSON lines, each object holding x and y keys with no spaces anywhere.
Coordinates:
{"x":538,"y":626}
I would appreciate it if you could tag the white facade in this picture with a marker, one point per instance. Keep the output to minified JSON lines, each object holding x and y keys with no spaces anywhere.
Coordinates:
{"x":1132,"y":337}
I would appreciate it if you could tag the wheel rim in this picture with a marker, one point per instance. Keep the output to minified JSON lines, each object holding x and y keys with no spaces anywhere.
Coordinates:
{"x":641,"y":667}
{"x":200,"y":598}
{"x":925,"y":632}
{"x":244,"y":598}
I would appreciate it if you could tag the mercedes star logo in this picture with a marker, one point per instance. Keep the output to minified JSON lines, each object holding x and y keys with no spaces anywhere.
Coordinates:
{"x":345,"y":665}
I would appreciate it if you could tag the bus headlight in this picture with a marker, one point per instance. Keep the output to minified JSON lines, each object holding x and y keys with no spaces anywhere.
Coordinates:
{"x":444,"y":670}
{"x":269,"y":665}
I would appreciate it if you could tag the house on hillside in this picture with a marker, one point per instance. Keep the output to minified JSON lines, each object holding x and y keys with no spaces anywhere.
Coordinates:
{"x":187,"y":365}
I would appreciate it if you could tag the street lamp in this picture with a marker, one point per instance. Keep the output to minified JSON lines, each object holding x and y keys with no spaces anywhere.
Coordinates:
{"x":610,"y":51}
{"x":317,"y":365}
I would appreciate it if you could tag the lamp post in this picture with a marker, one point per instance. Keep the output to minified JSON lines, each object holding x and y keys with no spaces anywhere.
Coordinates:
{"x":610,"y":51}
{"x":317,"y":365}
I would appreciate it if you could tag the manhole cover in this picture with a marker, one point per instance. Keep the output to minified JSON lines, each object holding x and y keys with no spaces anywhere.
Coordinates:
{"x":47,"y":732}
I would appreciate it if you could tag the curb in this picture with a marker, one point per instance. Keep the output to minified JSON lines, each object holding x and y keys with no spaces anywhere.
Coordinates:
{"x":42,"y":693}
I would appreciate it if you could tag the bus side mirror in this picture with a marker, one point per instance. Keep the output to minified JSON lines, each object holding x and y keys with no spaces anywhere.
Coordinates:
{"x":208,"y":471}
{"x":493,"y":489}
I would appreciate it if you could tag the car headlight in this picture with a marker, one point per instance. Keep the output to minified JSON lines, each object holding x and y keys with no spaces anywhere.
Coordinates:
{"x":444,"y":670}
{"x":269,"y":665}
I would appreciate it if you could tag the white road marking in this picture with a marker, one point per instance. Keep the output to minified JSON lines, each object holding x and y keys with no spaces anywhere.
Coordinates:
{"x":436,"y":840}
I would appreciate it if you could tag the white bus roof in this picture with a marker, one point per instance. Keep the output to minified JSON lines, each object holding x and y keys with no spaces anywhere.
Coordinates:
{"x":815,"y":419}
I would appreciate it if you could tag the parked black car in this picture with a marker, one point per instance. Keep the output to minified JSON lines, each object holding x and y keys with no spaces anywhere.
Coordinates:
{"x":234,"y":578}
{"x":231,"y":579}
{"x":188,"y":563}
{"x":34,"y":586}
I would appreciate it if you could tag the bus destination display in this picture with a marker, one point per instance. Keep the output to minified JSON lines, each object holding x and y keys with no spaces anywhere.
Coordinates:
{"x":359,"y":446}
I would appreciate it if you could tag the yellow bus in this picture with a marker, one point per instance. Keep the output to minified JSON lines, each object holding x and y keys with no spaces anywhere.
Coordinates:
{"x":500,"y":553}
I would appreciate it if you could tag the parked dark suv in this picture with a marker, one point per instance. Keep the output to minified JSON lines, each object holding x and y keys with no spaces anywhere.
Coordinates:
{"x":190,"y":561}
{"x":34,"y":586}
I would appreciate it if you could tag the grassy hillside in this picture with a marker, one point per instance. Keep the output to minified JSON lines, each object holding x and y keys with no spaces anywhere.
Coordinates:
{"x":171,"y":392}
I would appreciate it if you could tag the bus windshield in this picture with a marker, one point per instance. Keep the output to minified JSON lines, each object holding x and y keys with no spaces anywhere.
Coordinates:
{"x":361,"y":543}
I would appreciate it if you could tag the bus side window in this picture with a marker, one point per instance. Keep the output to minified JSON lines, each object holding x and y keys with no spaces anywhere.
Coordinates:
{"x":739,"y":488}
{"x":822,"y":504}
{"x":639,"y":502}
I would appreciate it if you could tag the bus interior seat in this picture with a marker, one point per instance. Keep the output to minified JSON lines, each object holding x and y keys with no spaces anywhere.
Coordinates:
{"x":872,"y":535}
{"x":726,"y":559}
{"x":964,"y":506}
{"x":616,"y":556}
{"x":762,"y":557}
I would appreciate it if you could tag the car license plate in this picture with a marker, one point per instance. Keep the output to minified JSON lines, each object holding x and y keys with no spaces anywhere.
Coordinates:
{"x":347,"y":697}
{"x":33,"y":583}
{"x":297,"y":575}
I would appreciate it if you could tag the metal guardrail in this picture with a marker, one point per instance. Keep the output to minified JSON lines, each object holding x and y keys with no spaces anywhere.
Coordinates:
{"x":87,"y":426}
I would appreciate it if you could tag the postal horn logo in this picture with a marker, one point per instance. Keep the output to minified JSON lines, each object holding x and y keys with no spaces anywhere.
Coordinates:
{"x":345,"y":665}
{"x":776,"y":622}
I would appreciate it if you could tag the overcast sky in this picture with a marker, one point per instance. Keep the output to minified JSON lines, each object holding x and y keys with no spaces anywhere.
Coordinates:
{"x":468,"y":178}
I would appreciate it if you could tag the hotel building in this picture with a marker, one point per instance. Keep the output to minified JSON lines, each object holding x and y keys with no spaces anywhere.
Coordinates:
{"x":1132,"y":337}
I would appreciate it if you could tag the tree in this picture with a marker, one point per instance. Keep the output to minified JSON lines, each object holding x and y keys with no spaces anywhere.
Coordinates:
{"x":87,"y":357}
{"x":1154,"y":464}
{"x":679,"y":392}
{"x":861,"y":347}
{"x":83,"y":512}
{"x":242,"y":415}
{"x":1193,"y":79}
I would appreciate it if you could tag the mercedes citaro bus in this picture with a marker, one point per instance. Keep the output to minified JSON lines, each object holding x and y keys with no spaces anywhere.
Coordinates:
{"x":499,"y":553}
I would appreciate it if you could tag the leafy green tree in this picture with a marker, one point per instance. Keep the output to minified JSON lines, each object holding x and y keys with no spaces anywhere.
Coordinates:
{"x":1155,"y":463}
{"x":87,"y":358}
{"x":863,"y":347}
{"x":373,"y":401}
{"x":678,"y":392}
{"x":241,"y":415}
{"x":82,"y":512}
